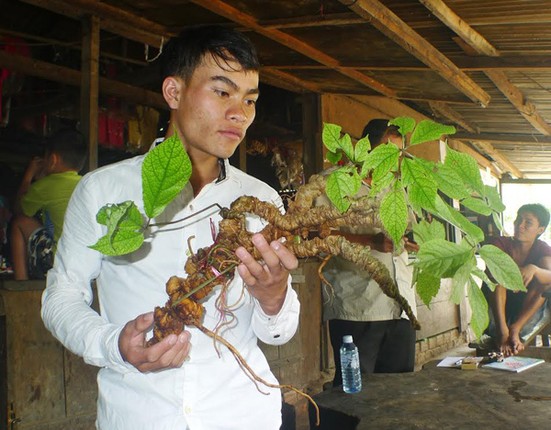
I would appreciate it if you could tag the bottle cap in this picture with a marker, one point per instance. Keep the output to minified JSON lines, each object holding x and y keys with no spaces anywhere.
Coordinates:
{"x":347,"y":339}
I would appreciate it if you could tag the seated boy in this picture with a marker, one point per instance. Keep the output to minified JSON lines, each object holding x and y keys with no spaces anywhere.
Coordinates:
{"x":41,"y":202}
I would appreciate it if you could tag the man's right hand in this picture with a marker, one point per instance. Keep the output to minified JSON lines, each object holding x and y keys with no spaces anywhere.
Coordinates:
{"x":167,"y":354}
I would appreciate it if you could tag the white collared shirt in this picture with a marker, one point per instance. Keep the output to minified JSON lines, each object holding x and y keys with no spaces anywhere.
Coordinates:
{"x":209,"y":391}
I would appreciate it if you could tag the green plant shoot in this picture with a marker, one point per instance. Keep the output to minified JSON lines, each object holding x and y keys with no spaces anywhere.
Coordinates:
{"x":166,"y":169}
{"x":405,"y":184}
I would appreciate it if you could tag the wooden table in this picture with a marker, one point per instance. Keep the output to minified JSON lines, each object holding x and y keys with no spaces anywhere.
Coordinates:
{"x":441,"y":398}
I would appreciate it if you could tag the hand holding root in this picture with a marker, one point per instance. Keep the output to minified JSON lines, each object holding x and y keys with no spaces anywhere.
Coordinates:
{"x":266,"y":280}
{"x":168,"y":353}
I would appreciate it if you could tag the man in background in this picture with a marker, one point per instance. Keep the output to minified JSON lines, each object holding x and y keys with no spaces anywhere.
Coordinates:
{"x":41,"y":202}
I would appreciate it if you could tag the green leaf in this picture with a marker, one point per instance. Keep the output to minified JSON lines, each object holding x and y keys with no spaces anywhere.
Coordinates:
{"x":378,"y":184}
{"x":345,"y":144}
{"x":333,"y":157}
{"x":497,"y":221}
{"x":427,"y":286}
{"x":442,"y":258}
{"x":165,"y":171}
{"x":467,"y":167}
{"x":494,"y":199}
{"x":124,"y":229}
{"x":460,"y":279}
{"x":421,"y":185}
{"x":361,"y":150}
{"x":480,"y":274}
{"x":341,"y":185}
{"x":449,"y":214}
{"x":120,"y":243}
{"x":451,"y":183}
{"x":383,"y":159}
{"x":394,"y":212}
{"x":502,"y":267}
{"x":428,"y":130}
{"x":477,"y":205}
{"x":405,"y":124}
{"x":479,"y":306}
{"x":330,"y":136}
{"x":425,"y":231}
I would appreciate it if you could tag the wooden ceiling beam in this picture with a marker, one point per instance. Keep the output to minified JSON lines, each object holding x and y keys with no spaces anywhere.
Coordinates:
{"x":501,"y":159}
{"x":520,"y":139}
{"x":224,"y":9}
{"x":517,"y":99}
{"x":112,"y":19}
{"x":447,"y":112}
{"x":388,"y":23}
{"x":285,"y":80}
{"x":460,"y":27}
{"x":475,"y":41}
{"x":65,"y":75}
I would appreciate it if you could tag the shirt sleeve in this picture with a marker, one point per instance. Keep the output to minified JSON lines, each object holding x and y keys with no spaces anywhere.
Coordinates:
{"x":67,"y":300}
{"x":280,"y":328}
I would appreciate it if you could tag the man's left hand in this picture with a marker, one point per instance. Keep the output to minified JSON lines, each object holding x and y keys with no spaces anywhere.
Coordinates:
{"x":266,"y":280}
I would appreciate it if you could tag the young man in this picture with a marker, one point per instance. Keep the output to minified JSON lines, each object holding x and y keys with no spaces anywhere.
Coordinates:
{"x":357,"y":306}
{"x":211,"y":87}
{"x":46,"y":188}
{"x":515,"y":314}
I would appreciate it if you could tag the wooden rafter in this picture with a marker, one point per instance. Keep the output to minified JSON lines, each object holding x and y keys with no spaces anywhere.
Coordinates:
{"x":482,"y":46}
{"x":65,"y":75}
{"x":286,"y":80}
{"x":388,"y":23}
{"x":447,"y":112}
{"x":500,"y":158}
{"x":112,"y":19}
{"x":520,"y":139}
{"x":460,"y":27}
{"x":224,"y":9}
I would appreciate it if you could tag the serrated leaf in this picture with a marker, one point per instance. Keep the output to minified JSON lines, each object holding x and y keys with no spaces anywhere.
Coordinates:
{"x":405,"y":124}
{"x":449,"y":214}
{"x":502,"y":267}
{"x":331,"y":135}
{"x":345,"y":144}
{"x":477,"y":205}
{"x":379,"y":184}
{"x":479,"y":306}
{"x":340,"y":186}
{"x":480,"y":274}
{"x":424,"y":231}
{"x":428,"y":130}
{"x":442,"y":258}
{"x":497,"y":221}
{"x":494,"y":199}
{"x":383,"y":159}
{"x":450,"y":182}
{"x":427,"y":286}
{"x":361,"y":149}
{"x":421,"y":185}
{"x":120,"y":243}
{"x":124,"y":229}
{"x":333,"y":157}
{"x":460,"y":279}
{"x":467,"y":167}
{"x":166,"y":170}
{"x":394,"y":213}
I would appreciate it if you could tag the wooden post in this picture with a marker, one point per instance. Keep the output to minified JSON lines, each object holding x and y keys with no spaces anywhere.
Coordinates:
{"x":89,"y":90}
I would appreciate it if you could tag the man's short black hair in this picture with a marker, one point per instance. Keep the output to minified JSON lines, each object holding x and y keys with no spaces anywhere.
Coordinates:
{"x":376,"y":130}
{"x":184,"y":53}
{"x":69,"y":144}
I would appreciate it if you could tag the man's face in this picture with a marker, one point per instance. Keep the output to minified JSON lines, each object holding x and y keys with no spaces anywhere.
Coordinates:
{"x":216,"y":107}
{"x":527,"y":227}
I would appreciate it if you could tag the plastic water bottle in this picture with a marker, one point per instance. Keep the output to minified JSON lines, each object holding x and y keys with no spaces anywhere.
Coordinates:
{"x":350,"y":366}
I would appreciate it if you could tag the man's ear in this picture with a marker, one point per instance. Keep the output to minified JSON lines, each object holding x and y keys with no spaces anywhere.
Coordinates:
{"x":171,"y":91}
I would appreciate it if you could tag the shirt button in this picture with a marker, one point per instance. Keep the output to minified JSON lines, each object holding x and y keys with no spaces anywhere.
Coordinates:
{"x":187,"y":409}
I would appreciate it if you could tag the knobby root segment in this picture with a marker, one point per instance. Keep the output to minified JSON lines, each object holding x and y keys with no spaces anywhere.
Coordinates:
{"x":250,"y":372}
